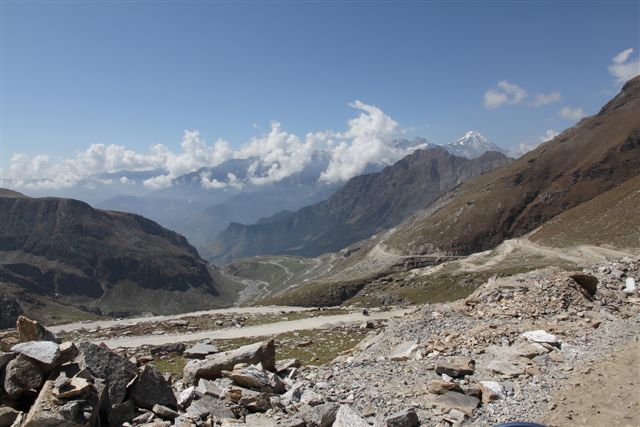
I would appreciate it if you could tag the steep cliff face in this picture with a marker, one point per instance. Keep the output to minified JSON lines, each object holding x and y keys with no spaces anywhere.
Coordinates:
{"x":364,"y":206}
{"x":64,"y":247}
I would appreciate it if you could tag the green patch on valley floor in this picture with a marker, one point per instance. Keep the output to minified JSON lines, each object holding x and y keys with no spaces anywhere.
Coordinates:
{"x":311,"y":347}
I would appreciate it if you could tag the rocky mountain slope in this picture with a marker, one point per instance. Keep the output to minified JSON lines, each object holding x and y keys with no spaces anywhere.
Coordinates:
{"x":599,"y":153}
{"x":110,"y":261}
{"x":364,"y":206}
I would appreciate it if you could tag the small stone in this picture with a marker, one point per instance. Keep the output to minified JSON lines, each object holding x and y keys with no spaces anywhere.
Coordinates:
{"x":320,"y":416}
{"x":456,"y":367}
{"x":206,"y":406}
{"x":404,"y":418}
{"x":171,"y":348}
{"x":491,"y":390}
{"x":200,"y":351}
{"x":164,"y":412}
{"x":459,"y":401}
{"x":540,"y":336}
{"x":404,"y":351}
{"x":630,"y":286}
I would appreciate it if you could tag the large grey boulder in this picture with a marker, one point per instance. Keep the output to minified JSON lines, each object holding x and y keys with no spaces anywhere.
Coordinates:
{"x":22,"y":375}
{"x":46,"y":352}
{"x":320,"y":416}
{"x":151,"y":388}
{"x":211,"y":368}
{"x":347,"y":417}
{"x":113,"y":368}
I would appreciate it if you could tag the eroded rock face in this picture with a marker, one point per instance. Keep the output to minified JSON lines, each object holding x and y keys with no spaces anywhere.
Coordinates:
{"x":212,"y":367}
{"x":105,"y":364}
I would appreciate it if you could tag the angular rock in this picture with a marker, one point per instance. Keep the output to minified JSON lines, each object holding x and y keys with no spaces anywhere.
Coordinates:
{"x":347,"y":417}
{"x":252,"y":400}
{"x":456,"y":367}
{"x":528,"y":349}
{"x":630,"y":286}
{"x":441,"y":387}
{"x":121,"y":413}
{"x":104,"y":363}
{"x":491,"y":390}
{"x":49,"y":411}
{"x":200,"y":351}
{"x":506,"y":367}
{"x":283,"y":365}
{"x":540,"y":336}
{"x":21,"y":375}
{"x":312,"y":398}
{"x":404,"y":418}
{"x":164,"y":412}
{"x":404,"y":351}
{"x":186,"y":396}
{"x":212,"y":367}
{"x":212,"y":388}
{"x":31,"y":330}
{"x":46,"y":352}
{"x":5,"y":358}
{"x":7,"y":416}
{"x":588,"y":282}
{"x":73,"y":387}
{"x":171,"y":348}
{"x":68,"y":352}
{"x":206,"y":406}
{"x":151,"y":388}
{"x":459,"y":401}
{"x":249,"y":377}
{"x":320,"y":416}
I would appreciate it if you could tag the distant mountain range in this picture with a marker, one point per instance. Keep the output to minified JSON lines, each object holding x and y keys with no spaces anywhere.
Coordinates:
{"x":111,"y":262}
{"x":365,"y":205}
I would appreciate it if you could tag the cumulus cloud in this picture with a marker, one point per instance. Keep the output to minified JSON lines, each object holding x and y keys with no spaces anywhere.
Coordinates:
{"x":571,"y":113}
{"x":548,"y":135}
{"x":275,"y":155}
{"x":505,"y":93}
{"x":622,"y":68}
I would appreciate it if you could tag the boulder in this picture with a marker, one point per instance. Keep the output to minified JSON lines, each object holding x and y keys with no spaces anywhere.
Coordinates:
{"x":171,"y":348}
{"x":200,"y":351}
{"x":7,"y":416}
{"x":5,"y":358}
{"x":121,"y":413}
{"x":249,"y":377}
{"x":21,"y":375}
{"x":104,"y":363}
{"x":185,"y":397}
{"x":491,"y":390}
{"x":254,"y":401}
{"x":283,"y":365}
{"x":459,"y":401}
{"x":540,"y":336}
{"x":206,"y":406}
{"x":70,"y":387}
{"x":320,"y":416}
{"x":404,"y":418}
{"x":212,"y":367}
{"x":45,"y":352}
{"x":217,"y":388}
{"x":51,"y":411}
{"x":31,"y":330}
{"x":151,"y":388}
{"x":164,"y":412}
{"x":404,"y":351}
{"x":347,"y":417}
{"x":456,"y":367}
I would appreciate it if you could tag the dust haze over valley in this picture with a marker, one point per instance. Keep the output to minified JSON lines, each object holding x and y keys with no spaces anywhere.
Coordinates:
{"x":449,"y":236}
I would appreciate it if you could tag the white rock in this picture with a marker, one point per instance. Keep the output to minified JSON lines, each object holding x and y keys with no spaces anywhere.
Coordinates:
{"x":347,"y":417}
{"x":630,"y":286}
{"x":540,"y":336}
{"x":404,"y":351}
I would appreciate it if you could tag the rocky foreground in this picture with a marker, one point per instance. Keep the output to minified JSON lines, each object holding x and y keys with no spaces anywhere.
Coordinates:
{"x":504,"y":353}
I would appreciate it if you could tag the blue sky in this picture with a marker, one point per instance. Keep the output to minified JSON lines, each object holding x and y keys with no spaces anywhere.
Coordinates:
{"x":141,"y":73}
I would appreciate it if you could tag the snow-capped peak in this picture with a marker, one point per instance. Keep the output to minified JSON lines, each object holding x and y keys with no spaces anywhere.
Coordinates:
{"x":472,"y":144}
{"x":472,"y":139}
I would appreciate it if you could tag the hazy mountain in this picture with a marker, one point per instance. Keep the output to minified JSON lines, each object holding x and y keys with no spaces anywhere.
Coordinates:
{"x":365,"y":205}
{"x":112,"y":261}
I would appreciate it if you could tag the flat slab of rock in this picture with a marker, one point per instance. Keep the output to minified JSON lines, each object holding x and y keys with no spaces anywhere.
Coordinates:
{"x":404,"y":351}
{"x":456,"y":366}
{"x":506,"y":367}
{"x":347,"y":417}
{"x":249,"y":377}
{"x":461,"y":402}
{"x":441,"y":387}
{"x":171,"y":348}
{"x":200,"y":351}
{"x":46,"y":352}
{"x":206,"y":406}
{"x":404,"y":418}
{"x":540,"y":336}
{"x":151,"y":388}
{"x":211,"y":368}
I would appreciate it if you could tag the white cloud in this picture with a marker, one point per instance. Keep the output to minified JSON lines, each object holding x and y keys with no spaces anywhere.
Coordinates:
{"x":277,"y":154}
{"x":506,"y":93}
{"x":548,"y":135}
{"x":624,"y":69}
{"x":126,"y":181}
{"x":571,"y":113}
{"x":545,"y":99}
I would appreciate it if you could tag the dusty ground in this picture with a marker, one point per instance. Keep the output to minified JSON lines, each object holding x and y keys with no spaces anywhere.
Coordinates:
{"x":604,"y":394}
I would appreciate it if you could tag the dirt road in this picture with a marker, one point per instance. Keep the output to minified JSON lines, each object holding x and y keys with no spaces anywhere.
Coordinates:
{"x":269,"y":329}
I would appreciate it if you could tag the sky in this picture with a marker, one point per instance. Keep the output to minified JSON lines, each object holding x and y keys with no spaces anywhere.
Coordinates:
{"x":103,"y":86}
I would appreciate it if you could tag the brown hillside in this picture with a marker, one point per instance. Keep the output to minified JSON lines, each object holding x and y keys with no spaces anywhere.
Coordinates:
{"x":594,"y":156}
